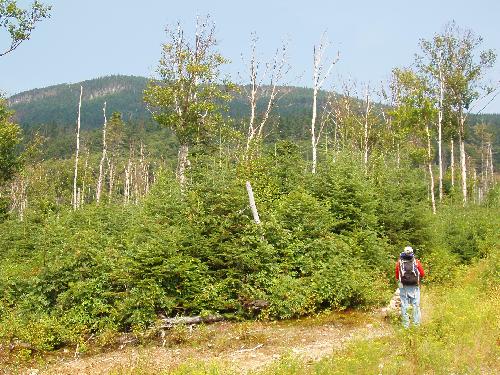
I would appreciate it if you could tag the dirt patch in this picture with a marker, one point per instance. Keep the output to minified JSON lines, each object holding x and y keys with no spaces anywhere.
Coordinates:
{"x":241,"y":347}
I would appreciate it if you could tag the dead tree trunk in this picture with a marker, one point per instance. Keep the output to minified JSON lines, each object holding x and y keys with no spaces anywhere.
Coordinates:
{"x":492,"y":175}
{"x":18,"y":196}
{"x":75,"y":179}
{"x":452,"y":162}
{"x":475,"y":192}
{"x":429,"y":166}
{"x":253,"y":206}
{"x":276,"y":72}
{"x":463,"y":165}
{"x":182,"y":164}
{"x":126,"y":187}
{"x":103,"y":158}
{"x":314,"y":141}
{"x":318,"y":80}
{"x":366,"y":127}
{"x":440,"y":130}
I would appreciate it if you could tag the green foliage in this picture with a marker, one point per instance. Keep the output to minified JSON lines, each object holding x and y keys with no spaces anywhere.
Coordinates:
{"x":402,"y":205}
{"x":350,"y":196}
{"x":20,"y":22}
{"x":459,"y":336}
{"x":10,"y":138}
{"x":187,"y":97}
{"x":326,"y":241}
{"x":467,"y":233}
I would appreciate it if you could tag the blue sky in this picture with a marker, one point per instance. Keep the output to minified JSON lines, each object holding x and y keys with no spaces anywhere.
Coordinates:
{"x":93,"y":38}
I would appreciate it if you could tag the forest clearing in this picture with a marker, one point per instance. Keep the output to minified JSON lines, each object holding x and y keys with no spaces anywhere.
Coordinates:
{"x":273,"y":219}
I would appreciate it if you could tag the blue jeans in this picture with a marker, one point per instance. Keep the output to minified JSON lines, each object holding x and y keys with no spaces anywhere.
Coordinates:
{"x":410,"y":295}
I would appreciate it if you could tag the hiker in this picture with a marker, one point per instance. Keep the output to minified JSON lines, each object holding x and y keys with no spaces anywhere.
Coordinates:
{"x":409,"y":271}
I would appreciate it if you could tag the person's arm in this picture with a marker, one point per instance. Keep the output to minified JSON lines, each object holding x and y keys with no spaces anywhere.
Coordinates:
{"x":397,"y":270}
{"x":420,"y":269}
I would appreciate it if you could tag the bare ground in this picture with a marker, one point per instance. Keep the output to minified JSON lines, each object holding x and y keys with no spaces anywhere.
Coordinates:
{"x":240,"y":347}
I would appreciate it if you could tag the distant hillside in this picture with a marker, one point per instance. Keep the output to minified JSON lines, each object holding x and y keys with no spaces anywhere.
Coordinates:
{"x":58,"y":104}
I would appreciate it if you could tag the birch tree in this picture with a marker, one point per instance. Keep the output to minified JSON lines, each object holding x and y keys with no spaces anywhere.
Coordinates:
{"x":461,"y":67}
{"x":188,"y":94}
{"x":321,"y":72}
{"x":432,"y":65}
{"x":416,"y":111}
{"x":103,"y":157}
{"x":77,"y":154}
{"x":274,"y":71}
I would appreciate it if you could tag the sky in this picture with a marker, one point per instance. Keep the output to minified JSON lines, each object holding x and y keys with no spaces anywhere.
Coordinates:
{"x":94,"y":38}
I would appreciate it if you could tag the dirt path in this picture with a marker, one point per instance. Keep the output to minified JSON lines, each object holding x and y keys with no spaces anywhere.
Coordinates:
{"x":240,"y":347}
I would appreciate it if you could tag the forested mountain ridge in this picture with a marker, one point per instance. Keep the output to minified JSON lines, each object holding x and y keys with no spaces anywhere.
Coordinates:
{"x":56,"y":106}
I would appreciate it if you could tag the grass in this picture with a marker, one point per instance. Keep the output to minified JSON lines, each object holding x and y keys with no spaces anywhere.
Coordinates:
{"x":461,"y":335}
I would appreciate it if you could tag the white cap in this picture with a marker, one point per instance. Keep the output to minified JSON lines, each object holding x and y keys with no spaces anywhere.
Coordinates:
{"x":408,"y":250}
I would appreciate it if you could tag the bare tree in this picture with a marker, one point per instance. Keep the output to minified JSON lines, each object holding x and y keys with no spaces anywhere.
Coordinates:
{"x":429,"y":167}
{"x":253,"y":206}
{"x":452,"y":161}
{"x":319,"y":77}
{"x":103,"y":157}
{"x":75,"y":179}
{"x":275,"y":71}
{"x":18,"y":195}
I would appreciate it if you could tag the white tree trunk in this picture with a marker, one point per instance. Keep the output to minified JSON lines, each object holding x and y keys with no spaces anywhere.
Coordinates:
{"x":128,"y":177}
{"x":474,"y":186}
{"x":440,"y":131}
{"x":452,"y":162}
{"x":463,"y":164}
{"x":18,"y":196}
{"x":492,"y":175}
{"x":429,"y":166}
{"x":75,"y":179}
{"x":318,"y":80}
{"x":366,"y":128}
{"x":182,"y":164}
{"x":253,"y":206}
{"x":313,"y":131}
{"x":136,"y":184}
{"x":144,"y":172}
{"x":276,"y":71}
{"x":103,"y":157}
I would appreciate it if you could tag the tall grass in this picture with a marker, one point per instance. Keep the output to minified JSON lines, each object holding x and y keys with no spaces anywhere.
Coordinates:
{"x":461,"y":335}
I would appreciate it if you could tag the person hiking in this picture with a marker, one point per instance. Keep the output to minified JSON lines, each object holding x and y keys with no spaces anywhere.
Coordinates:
{"x":409,"y":272}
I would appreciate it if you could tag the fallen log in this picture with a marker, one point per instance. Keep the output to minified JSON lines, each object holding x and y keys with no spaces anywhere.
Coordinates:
{"x":167,"y":323}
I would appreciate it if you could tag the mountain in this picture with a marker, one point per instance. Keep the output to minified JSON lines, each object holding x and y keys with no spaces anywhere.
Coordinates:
{"x":58,"y":105}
